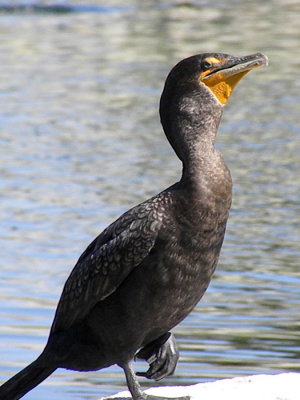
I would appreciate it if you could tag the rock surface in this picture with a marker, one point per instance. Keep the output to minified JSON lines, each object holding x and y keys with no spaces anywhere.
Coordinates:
{"x":285,"y":386}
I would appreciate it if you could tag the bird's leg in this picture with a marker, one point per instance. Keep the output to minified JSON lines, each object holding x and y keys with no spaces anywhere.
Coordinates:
{"x":135,"y":389}
{"x":132,"y":383}
{"x":162,"y":355}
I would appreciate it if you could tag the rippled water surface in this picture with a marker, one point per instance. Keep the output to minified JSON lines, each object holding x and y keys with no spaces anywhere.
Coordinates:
{"x":81,"y":142}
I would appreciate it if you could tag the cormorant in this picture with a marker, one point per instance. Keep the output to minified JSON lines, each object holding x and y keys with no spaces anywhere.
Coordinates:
{"x":146,"y":272}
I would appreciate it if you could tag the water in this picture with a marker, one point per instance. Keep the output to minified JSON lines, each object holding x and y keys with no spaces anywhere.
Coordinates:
{"x":81,"y":142}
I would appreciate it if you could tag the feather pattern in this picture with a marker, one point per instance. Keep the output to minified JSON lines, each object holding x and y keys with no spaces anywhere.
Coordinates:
{"x":107,"y":261}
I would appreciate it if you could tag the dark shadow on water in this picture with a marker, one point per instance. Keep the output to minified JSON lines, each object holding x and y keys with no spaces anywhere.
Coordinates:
{"x":30,"y":7}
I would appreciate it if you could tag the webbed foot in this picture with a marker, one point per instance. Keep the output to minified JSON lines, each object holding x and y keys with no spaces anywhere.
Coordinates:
{"x":135,"y":389}
{"x":162,"y":355}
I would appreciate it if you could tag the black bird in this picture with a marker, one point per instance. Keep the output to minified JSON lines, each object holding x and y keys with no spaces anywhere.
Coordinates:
{"x":146,"y":272}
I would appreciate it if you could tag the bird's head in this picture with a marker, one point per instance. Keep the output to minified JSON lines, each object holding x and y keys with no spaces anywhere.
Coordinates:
{"x":196,"y":90}
{"x":220,"y":73}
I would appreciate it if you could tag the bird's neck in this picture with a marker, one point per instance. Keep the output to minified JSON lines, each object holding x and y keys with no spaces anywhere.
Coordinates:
{"x":206,"y":180}
{"x":195,"y":145}
{"x":190,"y":122}
{"x":196,"y":162}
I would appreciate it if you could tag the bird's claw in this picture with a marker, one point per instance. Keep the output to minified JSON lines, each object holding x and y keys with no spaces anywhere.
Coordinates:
{"x":162,"y":355}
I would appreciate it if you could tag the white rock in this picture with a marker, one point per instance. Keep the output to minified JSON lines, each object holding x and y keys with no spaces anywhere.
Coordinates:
{"x":285,"y":386}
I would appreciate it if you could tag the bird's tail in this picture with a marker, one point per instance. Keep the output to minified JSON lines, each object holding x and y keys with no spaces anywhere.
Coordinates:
{"x":24,"y":381}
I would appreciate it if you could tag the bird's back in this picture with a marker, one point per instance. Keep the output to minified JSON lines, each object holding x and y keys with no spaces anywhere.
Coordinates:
{"x":141,"y":276}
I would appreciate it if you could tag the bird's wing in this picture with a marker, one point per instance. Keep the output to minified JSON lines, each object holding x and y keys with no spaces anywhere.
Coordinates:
{"x":105,"y":264}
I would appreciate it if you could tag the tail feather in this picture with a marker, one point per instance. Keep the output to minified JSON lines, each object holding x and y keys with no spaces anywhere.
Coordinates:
{"x":24,"y":381}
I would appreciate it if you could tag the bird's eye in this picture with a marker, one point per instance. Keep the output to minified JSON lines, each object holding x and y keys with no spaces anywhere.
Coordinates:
{"x":206,"y":65}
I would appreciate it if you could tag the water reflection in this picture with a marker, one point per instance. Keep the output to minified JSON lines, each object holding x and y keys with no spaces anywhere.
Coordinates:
{"x":81,"y":142}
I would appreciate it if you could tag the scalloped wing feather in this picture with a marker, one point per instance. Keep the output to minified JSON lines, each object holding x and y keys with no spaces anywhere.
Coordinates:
{"x":106,"y":262}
